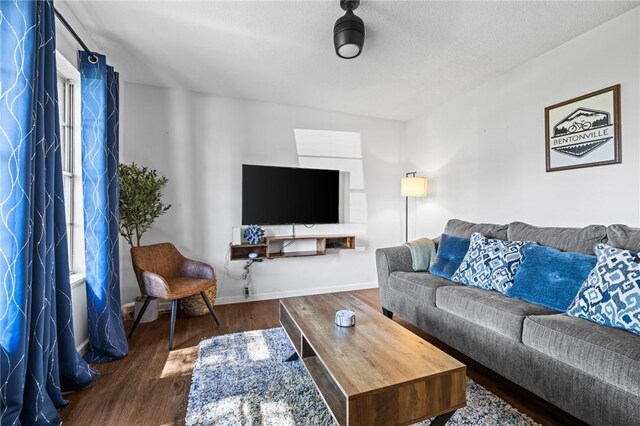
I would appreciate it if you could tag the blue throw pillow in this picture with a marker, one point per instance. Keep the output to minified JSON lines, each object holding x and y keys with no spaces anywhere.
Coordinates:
{"x":490,"y":264}
{"x":611,"y":294}
{"x":550,"y":277}
{"x":451,"y":251}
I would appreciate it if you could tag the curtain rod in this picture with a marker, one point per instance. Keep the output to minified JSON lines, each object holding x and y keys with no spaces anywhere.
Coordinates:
{"x":92,"y":57}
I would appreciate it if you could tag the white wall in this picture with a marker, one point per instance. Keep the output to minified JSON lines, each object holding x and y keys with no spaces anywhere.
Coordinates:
{"x":484,"y":151}
{"x":199,"y":142}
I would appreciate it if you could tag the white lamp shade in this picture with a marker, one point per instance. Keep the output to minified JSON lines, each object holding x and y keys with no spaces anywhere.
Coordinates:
{"x":414,"y":186}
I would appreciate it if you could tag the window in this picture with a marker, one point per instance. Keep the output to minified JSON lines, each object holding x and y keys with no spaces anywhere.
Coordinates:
{"x":66,"y":112}
{"x":69,"y":105}
{"x":70,"y":142}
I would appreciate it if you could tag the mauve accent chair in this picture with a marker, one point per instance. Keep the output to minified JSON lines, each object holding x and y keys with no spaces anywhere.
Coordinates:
{"x":164,"y":273}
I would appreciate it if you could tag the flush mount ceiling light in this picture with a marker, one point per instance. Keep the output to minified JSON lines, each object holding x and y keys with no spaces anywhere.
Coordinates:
{"x":348,"y":32}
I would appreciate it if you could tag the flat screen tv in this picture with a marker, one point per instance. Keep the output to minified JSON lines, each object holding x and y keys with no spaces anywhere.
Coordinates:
{"x":287,"y":195}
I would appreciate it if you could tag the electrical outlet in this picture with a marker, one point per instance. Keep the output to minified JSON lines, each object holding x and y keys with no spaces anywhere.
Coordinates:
{"x":247,"y":293}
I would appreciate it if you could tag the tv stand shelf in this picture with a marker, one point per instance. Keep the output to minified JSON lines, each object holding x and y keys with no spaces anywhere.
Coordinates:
{"x":273,"y":246}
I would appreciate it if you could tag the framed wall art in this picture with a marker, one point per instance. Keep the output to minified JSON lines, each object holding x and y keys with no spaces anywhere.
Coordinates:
{"x":584,"y":131}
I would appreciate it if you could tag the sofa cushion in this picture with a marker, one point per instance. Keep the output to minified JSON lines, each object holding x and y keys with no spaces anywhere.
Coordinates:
{"x":550,"y":277}
{"x":419,"y":286}
{"x":608,"y":354}
{"x":460,"y":228}
{"x":624,"y":237}
{"x":489,"y":309}
{"x":451,"y":252}
{"x":581,"y":240}
{"x":490,"y":263}
{"x":611,"y":294}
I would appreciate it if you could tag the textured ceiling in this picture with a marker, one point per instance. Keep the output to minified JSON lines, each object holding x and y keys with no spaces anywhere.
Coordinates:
{"x":416,"y":54}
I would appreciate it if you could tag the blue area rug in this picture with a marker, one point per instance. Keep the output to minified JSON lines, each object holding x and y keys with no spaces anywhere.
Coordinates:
{"x":242,"y":379}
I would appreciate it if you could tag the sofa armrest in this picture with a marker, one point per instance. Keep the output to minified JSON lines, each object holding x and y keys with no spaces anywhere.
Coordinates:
{"x":388,"y":260}
{"x":393,"y":259}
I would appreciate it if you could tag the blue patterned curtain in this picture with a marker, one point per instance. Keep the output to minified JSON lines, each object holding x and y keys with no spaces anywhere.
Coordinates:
{"x":38,"y":359}
{"x":100,"y":119}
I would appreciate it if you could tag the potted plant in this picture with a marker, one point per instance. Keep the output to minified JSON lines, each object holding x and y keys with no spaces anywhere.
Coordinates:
{"x":140,"y":205}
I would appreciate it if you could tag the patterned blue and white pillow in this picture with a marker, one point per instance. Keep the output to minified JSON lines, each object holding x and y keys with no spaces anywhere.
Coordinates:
{"x":611,"y":294}
{"x":490,"y":264}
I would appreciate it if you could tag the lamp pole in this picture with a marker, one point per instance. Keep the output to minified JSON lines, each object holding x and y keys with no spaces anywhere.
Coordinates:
{"x":406,"y":219}
{"x":406,"y":210}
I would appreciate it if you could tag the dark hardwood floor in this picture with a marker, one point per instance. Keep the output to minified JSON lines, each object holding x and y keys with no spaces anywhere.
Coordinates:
{"x":150,"y":386}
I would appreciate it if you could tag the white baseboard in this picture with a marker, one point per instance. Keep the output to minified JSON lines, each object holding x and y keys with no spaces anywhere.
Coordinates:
{"x":83,"y":347}
{"x":293,"y":293}
{"x":165,"y":306}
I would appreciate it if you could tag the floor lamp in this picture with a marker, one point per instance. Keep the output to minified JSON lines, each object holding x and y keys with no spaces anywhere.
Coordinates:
{"x":412,"y":186}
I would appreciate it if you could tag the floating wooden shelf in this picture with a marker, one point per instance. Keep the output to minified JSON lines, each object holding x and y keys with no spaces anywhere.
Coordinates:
{"x":272,"y":246}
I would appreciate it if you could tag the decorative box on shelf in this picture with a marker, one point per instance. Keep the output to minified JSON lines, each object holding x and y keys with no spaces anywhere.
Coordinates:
{"x":273,"y":247}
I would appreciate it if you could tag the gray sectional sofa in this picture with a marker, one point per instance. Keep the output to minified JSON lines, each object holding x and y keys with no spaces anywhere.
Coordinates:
{"x":586,"y":369}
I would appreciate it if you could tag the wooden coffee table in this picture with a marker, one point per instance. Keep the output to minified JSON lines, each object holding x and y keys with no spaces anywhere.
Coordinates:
{"x":376,"y":372}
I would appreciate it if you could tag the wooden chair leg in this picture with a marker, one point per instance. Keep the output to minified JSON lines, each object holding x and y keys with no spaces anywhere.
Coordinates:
{"x":206,"y":300}
{"x":174,"y":308}
{"x":144,"y":308}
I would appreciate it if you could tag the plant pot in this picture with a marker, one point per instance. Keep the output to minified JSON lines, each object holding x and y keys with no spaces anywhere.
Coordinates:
{"x":151,"y":314}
